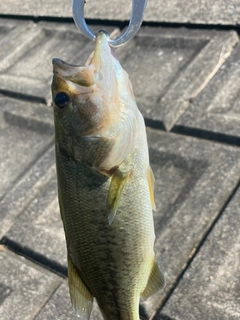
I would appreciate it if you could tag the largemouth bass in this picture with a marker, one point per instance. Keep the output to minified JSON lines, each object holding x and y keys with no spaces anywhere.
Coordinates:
{"x":105,"y":186}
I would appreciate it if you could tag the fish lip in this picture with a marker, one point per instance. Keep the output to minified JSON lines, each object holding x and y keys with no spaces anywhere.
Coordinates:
{"x":62,"y":64}
{"x":62,"y":68}
{"x":58,"y":66}
{"x":71,"y":72}
{"x":103,"y":52}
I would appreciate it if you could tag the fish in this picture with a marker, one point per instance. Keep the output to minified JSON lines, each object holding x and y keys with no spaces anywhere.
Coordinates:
{"x":105,"y":186}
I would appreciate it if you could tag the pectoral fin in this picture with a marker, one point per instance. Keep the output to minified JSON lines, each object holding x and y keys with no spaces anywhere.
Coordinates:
{"x":81,"y":297}
{"x":119,"y":180}
{"x":151,"y":180}
{"x":156,"y":281}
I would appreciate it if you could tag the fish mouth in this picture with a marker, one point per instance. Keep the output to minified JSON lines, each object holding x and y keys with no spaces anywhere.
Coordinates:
{"x":82,"y":76}
{"x":103,"y":53}
{"x":100,"y":73}
{"x":87,"y":75}
{"x":58,"y":63}
{"x":64,"y":69}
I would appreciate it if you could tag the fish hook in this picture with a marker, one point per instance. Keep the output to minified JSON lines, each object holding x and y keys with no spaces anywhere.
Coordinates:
{"x":138,"y":8}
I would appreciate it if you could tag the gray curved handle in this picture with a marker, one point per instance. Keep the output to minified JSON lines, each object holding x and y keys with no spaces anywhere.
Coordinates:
{"x":138,"y":8}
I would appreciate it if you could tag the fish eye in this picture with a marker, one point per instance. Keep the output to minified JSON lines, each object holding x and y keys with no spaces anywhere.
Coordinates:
{"x":61,"y":100}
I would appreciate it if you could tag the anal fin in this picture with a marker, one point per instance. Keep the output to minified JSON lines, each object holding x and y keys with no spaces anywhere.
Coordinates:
{"x":119,"y":179}
{"x":151,"y":180}
{"x":81,"y":297}
{"x":156,"y":281}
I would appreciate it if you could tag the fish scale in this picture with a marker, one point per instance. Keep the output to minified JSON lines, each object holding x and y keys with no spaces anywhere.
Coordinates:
{"x":105,"y":187}
{"x":118,"y":250}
